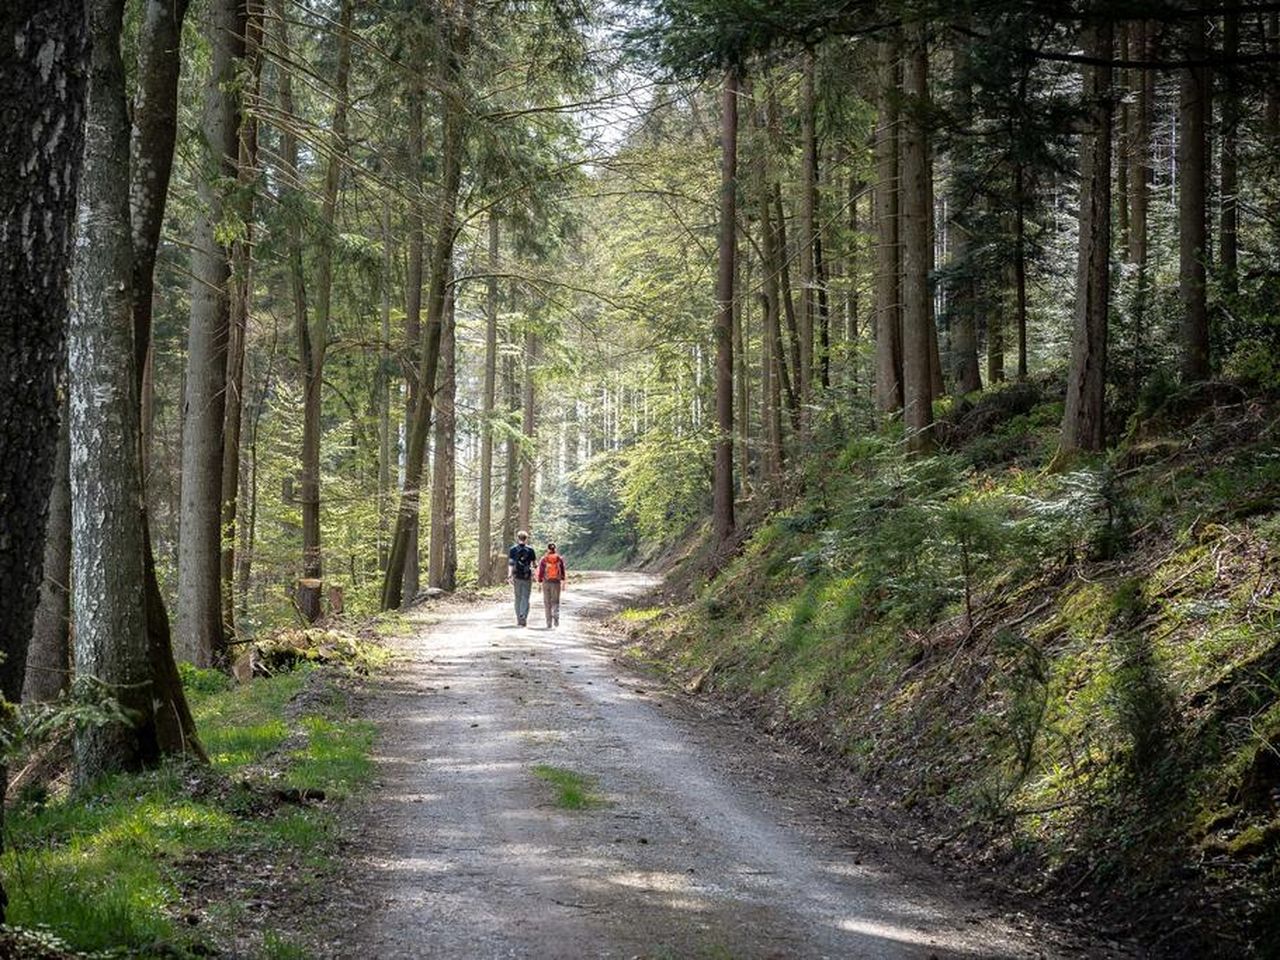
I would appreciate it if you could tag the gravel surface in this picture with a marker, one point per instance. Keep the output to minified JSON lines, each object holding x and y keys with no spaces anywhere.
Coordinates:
{"x":710,"y":842}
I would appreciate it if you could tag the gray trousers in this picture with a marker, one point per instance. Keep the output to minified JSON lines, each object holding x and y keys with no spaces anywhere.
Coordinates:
{"x":551,"y":601}
{"x":522,"y":588}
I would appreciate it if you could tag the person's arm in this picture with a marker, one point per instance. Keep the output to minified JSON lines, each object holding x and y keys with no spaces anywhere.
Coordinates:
{"x":542,"y":570}
{"x":511,"y":564}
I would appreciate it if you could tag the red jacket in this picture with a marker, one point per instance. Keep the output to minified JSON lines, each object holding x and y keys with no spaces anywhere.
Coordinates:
{"x":542,"y":569}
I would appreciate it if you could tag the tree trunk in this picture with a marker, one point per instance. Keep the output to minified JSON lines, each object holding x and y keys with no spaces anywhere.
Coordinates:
{"x":1020,"y":268}
{"x":410,"y":580}
{"x":384,"y":393}
{"x":963,"y":306}
{"x":456,"y":30}
{"x":511,"y":475}
{"x":1083,"y":422}
{"x":917,"y":347}
{"x":108,"y":596}
{"x":528,"y":433}
{"x":722,"y":485}
{"x":888,"y":254}
{"x":43,"y":88}
{"x":48,"y":670}
{"x":202,"y":639}
{"x":1192,"y":183}
{"x":313,"y":337}
{"x":241,"y":305}
{"x":1140,"y":188}
{"x":442,"y":570}
{"x":742,"y":385}
{"x":484,"y":550}
{"x":808,"y":232}
{"x":152,"y":140}
{"x":1230,"y":163}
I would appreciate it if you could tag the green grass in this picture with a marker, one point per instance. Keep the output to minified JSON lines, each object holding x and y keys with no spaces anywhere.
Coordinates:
{"x":105,"y":868}
{"x":573,"y":791}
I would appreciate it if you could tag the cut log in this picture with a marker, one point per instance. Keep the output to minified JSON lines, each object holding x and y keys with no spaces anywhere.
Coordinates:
{"x":335,"y":601}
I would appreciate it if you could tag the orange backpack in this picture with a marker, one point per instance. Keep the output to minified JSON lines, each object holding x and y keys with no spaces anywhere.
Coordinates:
{"x":554,"y":568}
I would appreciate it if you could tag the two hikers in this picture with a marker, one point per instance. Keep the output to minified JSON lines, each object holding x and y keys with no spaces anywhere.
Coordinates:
{"x":550,"y":572}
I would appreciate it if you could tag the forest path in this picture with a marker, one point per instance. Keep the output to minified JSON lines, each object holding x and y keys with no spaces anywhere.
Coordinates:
{"x":711,"y":843}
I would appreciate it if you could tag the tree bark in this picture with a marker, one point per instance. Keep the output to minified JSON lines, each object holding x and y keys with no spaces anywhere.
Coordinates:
{"x":963,"y":306}
{"x":918,"y":348}
{"x":202,"y":639}
{"x":484,"y":549}
{"x":1229,"y":191}
{"x":410,"y":580}
{"x":455,"y":27}
{"x":528,"y":432}
{"x":384,"y":393}
{"x":722,"y":484}
{"x":108,"y":594}
{"x":888,"y":319}
{"x":48,"y":670}
{"x":43,"y":88}
{"x":442,"y":563}
{"x":241,"y":305}
{"x":1083,"y":424}
{"x":808,"y":232}
{"x":1192,"y":183}
{"x":313,"y":336}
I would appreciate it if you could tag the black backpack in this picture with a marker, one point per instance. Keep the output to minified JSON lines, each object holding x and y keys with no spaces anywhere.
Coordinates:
{"x":523,"y":562}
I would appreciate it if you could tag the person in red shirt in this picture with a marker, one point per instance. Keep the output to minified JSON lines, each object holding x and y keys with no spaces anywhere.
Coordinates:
{"x":552,"y":575}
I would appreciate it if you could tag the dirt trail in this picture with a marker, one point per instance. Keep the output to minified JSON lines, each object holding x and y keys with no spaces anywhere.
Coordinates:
{"x":709,"y":845}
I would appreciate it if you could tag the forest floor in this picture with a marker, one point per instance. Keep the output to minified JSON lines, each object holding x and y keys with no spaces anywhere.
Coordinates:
{"x":537,"y":798}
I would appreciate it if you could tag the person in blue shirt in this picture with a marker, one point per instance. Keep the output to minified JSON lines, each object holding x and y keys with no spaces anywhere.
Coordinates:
{"x":520,"y":561}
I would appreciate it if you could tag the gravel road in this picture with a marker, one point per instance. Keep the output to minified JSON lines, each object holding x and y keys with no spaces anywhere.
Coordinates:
{"x":711,"y":842}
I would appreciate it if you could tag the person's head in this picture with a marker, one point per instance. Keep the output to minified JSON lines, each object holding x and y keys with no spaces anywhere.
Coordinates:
{"x":551,"y":547}
{"x":522,"y":537}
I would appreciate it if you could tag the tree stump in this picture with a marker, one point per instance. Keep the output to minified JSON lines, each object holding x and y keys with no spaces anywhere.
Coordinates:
{"x":335,"y":601}
{"x":309,"y":594}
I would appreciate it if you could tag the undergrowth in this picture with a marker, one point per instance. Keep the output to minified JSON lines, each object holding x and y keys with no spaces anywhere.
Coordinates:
{"x":1072,"y":668}
{"x":114,"y":867}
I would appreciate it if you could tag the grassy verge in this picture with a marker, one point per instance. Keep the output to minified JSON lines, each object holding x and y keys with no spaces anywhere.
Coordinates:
{"x":1071,"y":672}
{"x":160,"y":863}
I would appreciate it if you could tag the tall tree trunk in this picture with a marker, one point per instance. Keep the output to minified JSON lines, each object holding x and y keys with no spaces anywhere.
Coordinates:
{"x":153,"y":135}
{"x":1192,"y":184}
{"x":722,"y":485}
{"x":313,"y":337}
{"x":1020,"y":267}
{"x":528,"y":432}
{"x":43,"y":88}
{"x":1140,"y":186}
{"x":963,"y":307}
{"x":241,"y":307}
{"x":384,"y":393}
{"x":1083,"y":421}
{"x":1230,"y":163}
{"x":918,"y":348}
{"x":442,"y":569}
{"x":48,"y":671}
{"x":853,"y":303}
{"x":511,"y":473}
{"x":410,"y":579}
{"x":485,"y":551}
{"x":108,"y":594}
{"x":742,"y":385}
{"x":455,"y":27}
{"x":888,"y":254}
{"x":808,"y":232}
{"x":201,"y":637}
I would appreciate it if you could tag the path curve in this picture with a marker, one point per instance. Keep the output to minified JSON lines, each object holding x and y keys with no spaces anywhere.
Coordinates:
{"x":698,"y":853}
